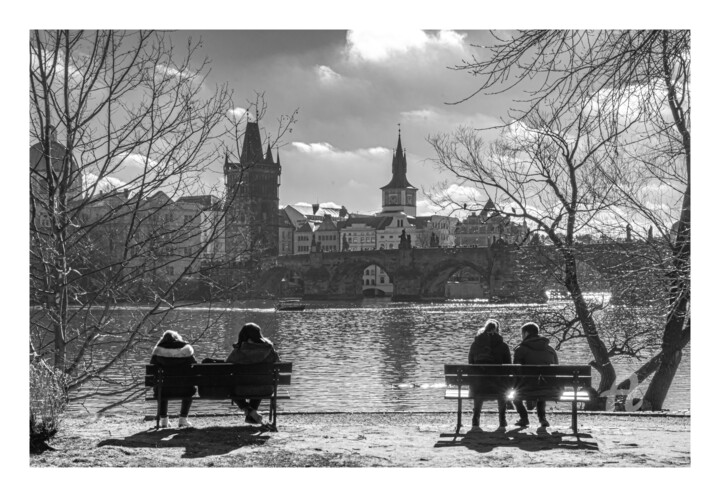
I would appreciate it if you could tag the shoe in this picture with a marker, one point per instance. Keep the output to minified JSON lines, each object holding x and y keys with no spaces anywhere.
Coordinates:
{"x":252,"y":416}
{"x":544,"y":422}
{"x":184,"y":423}
{"x":164,"y":422}
{"x":522,"y":422}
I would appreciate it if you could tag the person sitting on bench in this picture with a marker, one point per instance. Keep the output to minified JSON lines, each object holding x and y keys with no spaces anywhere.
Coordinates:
{"x":252,"y":348}
{"x":533,"y":349}
{"x":171,"y":351}
{"x":488,"y":348}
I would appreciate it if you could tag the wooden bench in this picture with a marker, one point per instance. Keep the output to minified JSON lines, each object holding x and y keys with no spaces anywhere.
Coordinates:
{"x":217,"y":381}
{"x":559,"y":383}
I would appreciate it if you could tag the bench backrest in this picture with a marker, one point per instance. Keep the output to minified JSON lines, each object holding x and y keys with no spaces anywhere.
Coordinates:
{"x":222,"y":374}
{"x":536,"y":381}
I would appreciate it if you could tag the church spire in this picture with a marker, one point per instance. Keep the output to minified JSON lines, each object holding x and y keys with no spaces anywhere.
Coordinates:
{"x":268,"y":155}
{"x":399,"y":167}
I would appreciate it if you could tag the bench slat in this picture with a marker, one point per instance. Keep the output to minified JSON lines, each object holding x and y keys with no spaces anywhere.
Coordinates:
{"x":452,"y":393}
{"x":226,"y":368}
{"x":223,"y":381}
{"x":518,"y":369}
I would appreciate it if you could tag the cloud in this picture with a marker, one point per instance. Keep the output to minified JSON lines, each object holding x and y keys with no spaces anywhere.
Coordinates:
{"x":326,"y":75}
{"x":420,"y":115}
{"x":328,"y":151}
{"x":379,"y":46}
{"x":94,"y":186}
{"x":238,"y":113}
{"x":164,"y":71}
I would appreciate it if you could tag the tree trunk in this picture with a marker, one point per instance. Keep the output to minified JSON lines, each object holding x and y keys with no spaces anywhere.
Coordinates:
{"x":660,"y":384}
{"x":597,"y":347}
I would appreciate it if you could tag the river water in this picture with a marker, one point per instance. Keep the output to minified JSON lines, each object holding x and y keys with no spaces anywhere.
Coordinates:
{"x":373,"y":355}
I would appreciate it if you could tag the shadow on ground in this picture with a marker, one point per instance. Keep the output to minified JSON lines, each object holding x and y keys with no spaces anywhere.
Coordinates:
{"x":542,"y":439}
{"x":198,"y":442}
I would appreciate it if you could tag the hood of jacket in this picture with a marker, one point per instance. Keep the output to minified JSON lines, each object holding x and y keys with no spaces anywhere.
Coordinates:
{"x":251,"y":352}
{"x":173,"y":349}
{"x":490,"y":339}
{"x":536,"y":343}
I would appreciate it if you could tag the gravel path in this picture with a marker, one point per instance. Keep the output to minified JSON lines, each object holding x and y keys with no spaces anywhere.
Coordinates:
{"x":371,"y":440}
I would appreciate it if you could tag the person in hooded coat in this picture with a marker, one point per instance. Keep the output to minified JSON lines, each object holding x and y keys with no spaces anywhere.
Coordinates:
{"x":488,"y":348}
{"x":252,"y":348}
{"x":533,"y":349}
{"x":172,"y":351}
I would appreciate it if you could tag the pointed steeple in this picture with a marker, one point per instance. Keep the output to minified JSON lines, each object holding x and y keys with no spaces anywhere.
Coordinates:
{"x":268,"y":155}
{"x":252,"y":145}
{"x":399,"y":168}
{"x":277,"y":153}
{"x":489,"y":210}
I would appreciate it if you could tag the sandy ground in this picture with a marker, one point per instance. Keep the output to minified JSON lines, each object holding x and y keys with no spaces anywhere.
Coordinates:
{"x":371,"y":440}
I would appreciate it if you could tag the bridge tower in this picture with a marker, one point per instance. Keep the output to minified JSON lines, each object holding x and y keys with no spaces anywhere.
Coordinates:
{"x":399,"y":195}
{"x":252,"y":186}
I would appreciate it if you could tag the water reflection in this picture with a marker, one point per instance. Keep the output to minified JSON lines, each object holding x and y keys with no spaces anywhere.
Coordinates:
{"x":369,"y":356}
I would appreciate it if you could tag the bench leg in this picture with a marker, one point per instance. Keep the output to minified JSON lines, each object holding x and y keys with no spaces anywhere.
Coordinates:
{"x":273,"y":413}
{"x":459,"y":416}
{"x":574,"y":418}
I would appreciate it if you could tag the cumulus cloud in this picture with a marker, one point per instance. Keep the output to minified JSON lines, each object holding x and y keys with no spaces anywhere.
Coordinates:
{"x":94,"y":186}
{"x":326,"y":75}
{"x":327,"y":150}
{"x":420,"y":115}
{"x":238,"y":113}
{"x":379,"y":46}
{"x":164,"y":71}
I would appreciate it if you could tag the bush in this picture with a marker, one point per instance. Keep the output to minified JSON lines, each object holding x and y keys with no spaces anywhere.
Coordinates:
{"x":48,"y":399}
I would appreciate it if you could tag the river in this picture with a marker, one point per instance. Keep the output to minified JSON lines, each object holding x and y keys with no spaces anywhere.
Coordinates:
{"x":373,"y":355}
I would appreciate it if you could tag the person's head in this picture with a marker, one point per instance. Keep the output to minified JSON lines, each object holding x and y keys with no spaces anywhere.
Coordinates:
{"x":529,"y":330}
{"x":250,"y":332}
{"x":491,"y":326}
{"x":170,"y":336}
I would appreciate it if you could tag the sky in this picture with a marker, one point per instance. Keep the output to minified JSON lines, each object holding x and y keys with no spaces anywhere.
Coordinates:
{"x":351,"y":90}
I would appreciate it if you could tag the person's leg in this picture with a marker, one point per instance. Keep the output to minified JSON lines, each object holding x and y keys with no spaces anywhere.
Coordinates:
{"x":185,"y":407}
{"x":501,"y":411}
{"x":254,"y":404}
{"x":184,"y":411}
{"x":520,"y":408}
{"x":477,"y":408}
{"x":162,"y":410}
{"x":542,"y":413}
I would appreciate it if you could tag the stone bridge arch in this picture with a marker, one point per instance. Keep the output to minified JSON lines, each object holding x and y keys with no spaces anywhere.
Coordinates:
{"x":434,"y":281}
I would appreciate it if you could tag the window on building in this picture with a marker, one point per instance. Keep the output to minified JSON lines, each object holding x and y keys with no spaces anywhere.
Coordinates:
{"x":382,"y":280}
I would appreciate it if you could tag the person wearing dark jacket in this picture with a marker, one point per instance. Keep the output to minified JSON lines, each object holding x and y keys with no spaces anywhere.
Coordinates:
{"x":171,"y":351}
{"x":533,"y":349}
{"x":488,"y":348}
{"x":252,"y":348}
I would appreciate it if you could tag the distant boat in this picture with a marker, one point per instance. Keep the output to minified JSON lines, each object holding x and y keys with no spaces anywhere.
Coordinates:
{"x":289,"y":305}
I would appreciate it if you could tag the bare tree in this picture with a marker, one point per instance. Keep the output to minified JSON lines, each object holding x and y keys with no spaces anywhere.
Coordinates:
{"x":124,"y":129}
{"x":605,"y":122}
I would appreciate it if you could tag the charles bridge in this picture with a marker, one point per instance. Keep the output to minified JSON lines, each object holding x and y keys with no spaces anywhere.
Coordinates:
{"x":507,"y":273}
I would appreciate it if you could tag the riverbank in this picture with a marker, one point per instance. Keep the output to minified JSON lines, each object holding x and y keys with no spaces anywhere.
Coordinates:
{"x":372,"y":440}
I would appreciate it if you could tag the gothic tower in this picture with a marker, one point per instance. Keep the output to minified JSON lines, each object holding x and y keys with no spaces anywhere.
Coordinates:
{"x":399,"y":195}
{"x":252,"y":186}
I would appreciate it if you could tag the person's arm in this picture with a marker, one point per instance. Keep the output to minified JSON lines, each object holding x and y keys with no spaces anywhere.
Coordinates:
{"x":518,"y":356}
{"x":506,"y":356}
{"x":555,"y":356}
